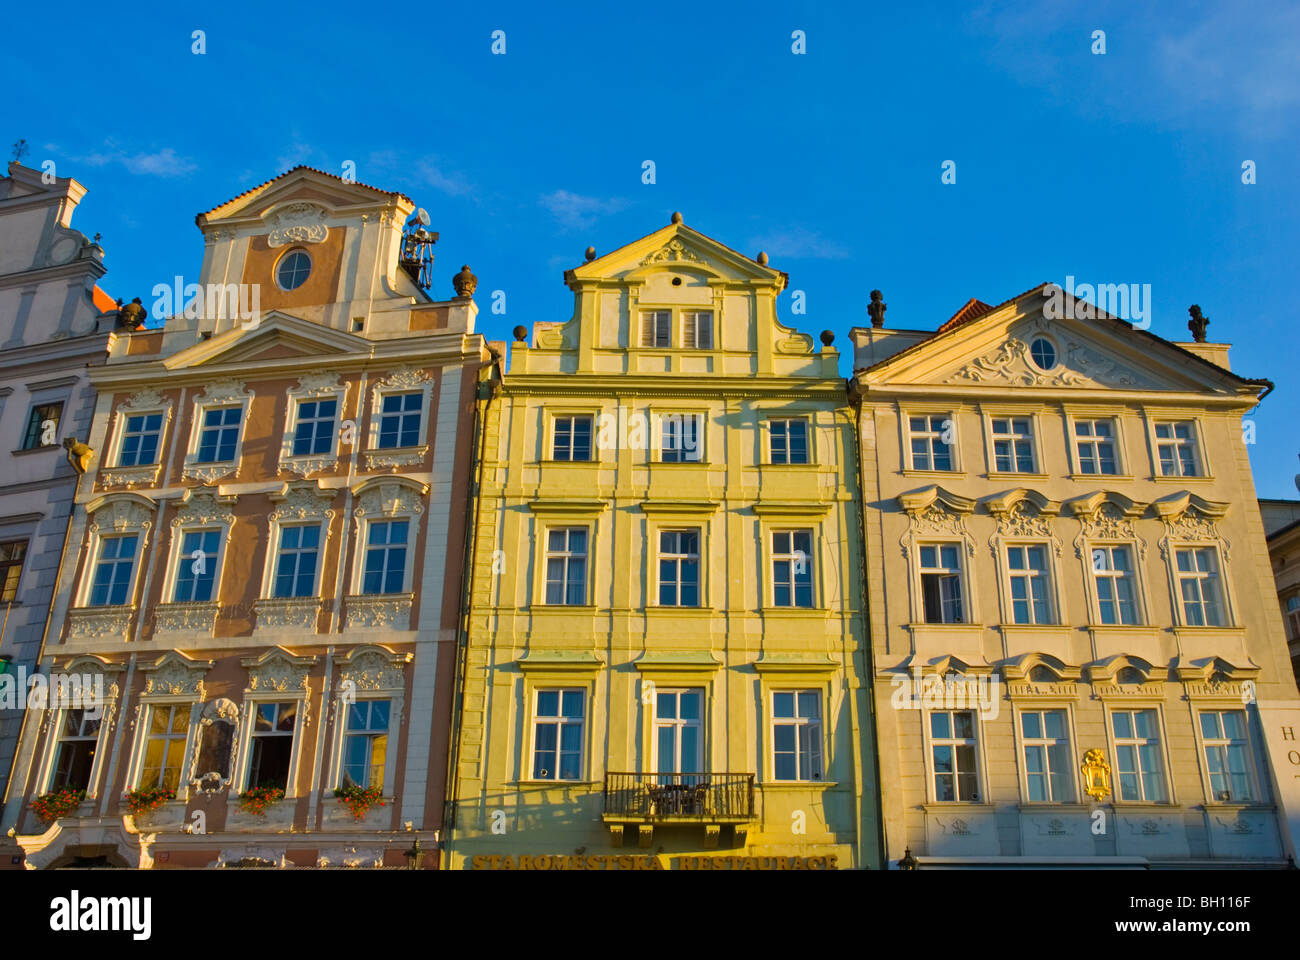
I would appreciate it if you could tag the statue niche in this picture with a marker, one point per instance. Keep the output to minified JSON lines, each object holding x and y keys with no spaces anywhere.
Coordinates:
{"x":214,"y":759}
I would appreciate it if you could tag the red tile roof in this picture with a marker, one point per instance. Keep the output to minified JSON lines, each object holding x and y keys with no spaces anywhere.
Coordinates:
{"x":303,"y":166}
{"x":971,"y":309}
{"x":102,"y":300}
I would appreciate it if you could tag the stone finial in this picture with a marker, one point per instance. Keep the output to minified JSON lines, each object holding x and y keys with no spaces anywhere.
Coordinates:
{"x":133,"y":315}
{"x":590,"y":254}
{"x":762,"y":258}
{"x":877,"y":309}
{"x":465,"y":283}
{"x":1198,"y":323}
{"x":521,"y":333}
{"x":676,"y":217}
{"x":827,"y":338}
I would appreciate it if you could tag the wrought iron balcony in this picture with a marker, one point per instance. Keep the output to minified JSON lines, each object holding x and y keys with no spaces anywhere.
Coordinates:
{"x":686,"y":797}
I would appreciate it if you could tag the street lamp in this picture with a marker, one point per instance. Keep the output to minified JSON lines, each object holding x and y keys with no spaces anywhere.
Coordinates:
{"x":908,"y":862}
{"x":414,"y":856}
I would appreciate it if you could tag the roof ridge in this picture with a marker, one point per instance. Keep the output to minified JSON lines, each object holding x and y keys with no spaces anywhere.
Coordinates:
{"x":301,"y":166}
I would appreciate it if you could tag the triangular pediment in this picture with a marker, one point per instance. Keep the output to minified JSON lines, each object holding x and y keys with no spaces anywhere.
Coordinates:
{"x":299,"y":185}
{"x":1004,"y":349}
{"x":279,"y":336}
{"x":675,"y":247}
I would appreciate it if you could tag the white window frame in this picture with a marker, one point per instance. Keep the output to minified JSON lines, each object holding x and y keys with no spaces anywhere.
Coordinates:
{"x":226,"y":393}
{"x":1204,"y":744}
{"x":566,"y":554}
{"x":558,"y":721}
{"x":809,"y":435}
{"x":814,"y":573}
{"x":410,"y":380}
{"x":929,"y":741}
{"x":1044,"y":742}
{"x":266,"y":674}
{"x":1220,"y":579}
{"x":663,"y":420}
{"x":657,"y":532}
{"x":963,"y":580}
{"x":1135,"y":571}
{"x":1049,"y":571}
{"x":1117,"y":441}
{"x":678,"y":724}
{"x":313,"y":387}
{"x":553,"y":434}
{"x":1035,"y":454}
{"x":272,"y":564}
{"x":1196,"y":441}
{"x":363,"y":528}
{"x":948,"y":417}
{"x":773,"y":721}
{"x":377,"y":674}
{"x":94,"y":554}
{"x":1162,"y":750}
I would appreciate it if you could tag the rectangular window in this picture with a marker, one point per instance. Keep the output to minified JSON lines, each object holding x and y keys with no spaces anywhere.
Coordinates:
{"x":399,"y":420}
{"x":1176,"y":446}
{"x":566,"y":566}
{"x":1137,"y":753}
{"x":941,"y":583}
{"x":220,"y":434}
{"x":272,"y":745}
{"x":385,"y":570}
{"x":1198,"y":580}
{"x":679,"y":732}
{"x":789,"y":439}
{"x":314,"y":431}
{"x":952,"y":751}
{"x":140,"y":438}
{"x":78,"y":737}
{"x":557,"y":734}
{"x":679,"y":568}
{"x":1013,"y":445}
{"x":679,"y":438}
{"x":164,"y":746}
{"x":1227,"y":755}
{"x":656,"y":326}
{"x":1047,"y":755}
{"x":295,"y":568}
{"x":797,"y":735}
{"x":1031,"y":600}
{"x":1112,"y":572}
{"x":197,"y":574}
{"x":112,"y":583}
{"x":12,"y":554}
{"x":1292,"y":612}
{"x":792,"y":568}
{"x":572,"y":439}
{"x":43,"y":425}
{"x":697,"y":329}
{"x":929,"y":438}
{"x":365,"y":744}
{"x":1095,"y":442}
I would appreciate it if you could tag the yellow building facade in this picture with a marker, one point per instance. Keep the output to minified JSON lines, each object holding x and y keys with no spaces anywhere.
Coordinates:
{"x":1079,"y":658}
{"x":664,"y":648}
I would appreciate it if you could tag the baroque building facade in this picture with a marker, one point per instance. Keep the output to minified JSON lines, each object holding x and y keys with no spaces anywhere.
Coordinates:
{"x":665,"y":648}
{"x":1282,"y":527}
{"x":1078,"y":657}
{"x":263,"y":566}
{"x":54,"y":323}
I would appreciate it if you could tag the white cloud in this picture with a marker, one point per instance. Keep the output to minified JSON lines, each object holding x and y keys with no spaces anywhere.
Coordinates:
{"x":161,"y":163}
{"x":576,"y":212}
{"x":439,"y":177}
{"x":798,"y":243}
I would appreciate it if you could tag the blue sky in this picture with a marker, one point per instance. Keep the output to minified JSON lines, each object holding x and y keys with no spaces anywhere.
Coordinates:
{"x":1123,"y":167}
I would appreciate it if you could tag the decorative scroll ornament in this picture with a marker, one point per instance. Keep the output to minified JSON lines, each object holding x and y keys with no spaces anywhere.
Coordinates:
{"x":375,"y":669}
{"x":408,"y":378}
{"x":278,"y":672}
{"x":1078,"y":366}
{"x":175,"y":675}
{"x":204,"y":505}
{"x":214,"y":758}
{"x":1096,"y":775}
{"x":297,"y":223}
{"x":122,"y":514}
{"x":1188,"y":517}
{"x":390,"y":497}
{"x":144,"y":400}
{"x":673,"y":251}
{"x":302,"y":500}
{"x":935,"y":512}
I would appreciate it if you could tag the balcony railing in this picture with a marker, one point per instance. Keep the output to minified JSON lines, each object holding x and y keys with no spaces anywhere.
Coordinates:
{"x":704,"y":797}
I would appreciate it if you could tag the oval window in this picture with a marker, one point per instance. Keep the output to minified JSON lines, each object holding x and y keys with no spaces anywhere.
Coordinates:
{"x":1043,"y":354}
{"x":293,"y":270}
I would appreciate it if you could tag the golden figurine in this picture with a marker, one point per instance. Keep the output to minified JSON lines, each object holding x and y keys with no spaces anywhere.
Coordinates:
{"x":1096,"y":775}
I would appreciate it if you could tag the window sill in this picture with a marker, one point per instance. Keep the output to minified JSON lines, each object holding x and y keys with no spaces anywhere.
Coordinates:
{"x":1096,"y":477}
{"x":558,"y":783}
{"x":798,"y":784}
{"x":41,"y":449}
{"x":796,"y":466}
{"x":1051,"y":806}
{"x":558,"y":608}
{"x":794,"y":612}
{"x":933,"y":473}
{"x":982,"y":806}
{"x":1016,"y":475}
{"x":680,"y":463}
{"x":667,"y":612}
{"x":569,"y":463}
{"x":396,"y":456}
{"x":1172,"y":479}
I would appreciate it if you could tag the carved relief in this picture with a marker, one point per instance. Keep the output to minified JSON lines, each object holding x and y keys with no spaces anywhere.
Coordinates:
{"x":122,"y":514}
{"x":388,"y":498}
{"x":374,"y":611}
{"x":347,"y":856}
{"x":278,"y":672}
{"x":1079,"y":366}
{"x":408,"y":378}
{"x":297,"y":223}
{"x":673,"y":251}
{"x":175,"y":675}
{"x":204,"y":505}
{"x":298,"y":613}
{"x":373,"y":668}
{"x":301,"y":500}
{"x":100,"y":623}
{"x":213,"y":766}
{"x":186,"y":617}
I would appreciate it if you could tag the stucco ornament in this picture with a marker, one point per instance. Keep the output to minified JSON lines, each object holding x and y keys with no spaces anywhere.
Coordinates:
{"x":1096,"y":775}
{"x":297,"y":223}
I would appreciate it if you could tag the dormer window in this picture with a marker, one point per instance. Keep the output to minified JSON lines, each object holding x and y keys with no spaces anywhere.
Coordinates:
{"x":293,"y":269}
